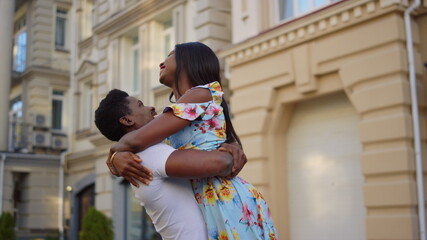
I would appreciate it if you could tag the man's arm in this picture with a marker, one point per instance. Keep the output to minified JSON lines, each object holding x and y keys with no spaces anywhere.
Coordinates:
{"x":188,"y":164}
{"x":205,"y":164}
{"x":198,"y":164}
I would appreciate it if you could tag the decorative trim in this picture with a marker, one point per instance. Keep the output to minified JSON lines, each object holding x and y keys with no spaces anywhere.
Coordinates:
{"x":31,"y":160}
{"x":87,"y":68}
{"x":84,"y":133}
{"x":132,"y":14}
{"x":86,"y":44}
{"x":99,"y":140}
{"x":319,"y":23}
{"x":87,"y":155}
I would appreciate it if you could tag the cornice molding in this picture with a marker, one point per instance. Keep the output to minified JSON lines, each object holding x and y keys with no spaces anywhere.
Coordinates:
{"x":331,"y":19}
{"x":140,"y":10}
{"x":86,"y":43}
{"x":42,"y":71}
{"x":80,"y":156}
{"x":86,"y":69}
{"x":31,"y":160}
{"x":99,"y":140}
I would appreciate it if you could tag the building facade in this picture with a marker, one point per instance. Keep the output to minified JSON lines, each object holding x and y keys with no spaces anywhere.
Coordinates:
{"x":35,"y":117}
{"x":330,"y":138}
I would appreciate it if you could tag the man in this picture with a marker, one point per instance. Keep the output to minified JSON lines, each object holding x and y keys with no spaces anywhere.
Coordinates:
{"x":168,"y":201}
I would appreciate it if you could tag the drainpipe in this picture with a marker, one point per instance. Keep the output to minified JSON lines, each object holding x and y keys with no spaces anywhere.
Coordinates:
{"x":2,"y":160}
{"x":70,"y":124}
{"x":415,"y":119}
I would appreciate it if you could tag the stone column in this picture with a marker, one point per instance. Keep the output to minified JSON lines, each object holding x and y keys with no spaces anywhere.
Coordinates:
{"x":6,"y":38}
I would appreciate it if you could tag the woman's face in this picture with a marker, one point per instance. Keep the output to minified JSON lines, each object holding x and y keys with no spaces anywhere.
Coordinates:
{"x":167,"y":70}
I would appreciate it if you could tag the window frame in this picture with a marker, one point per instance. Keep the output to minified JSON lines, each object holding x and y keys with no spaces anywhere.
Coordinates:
{"x":167,"y":31}
{"x":135,"y":63}
{"x":129,"y":64}
{"x":296,"y":13}
{"x":16,"y":124}
{"x":61,"y":15}
{"x":61,"y":98}
{"x":86,"y":105}
{"x":19,"y":63}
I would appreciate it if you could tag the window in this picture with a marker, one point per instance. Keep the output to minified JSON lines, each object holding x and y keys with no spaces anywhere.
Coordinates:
{"x":168,"y":38}
{"x":292,"y":8}
{"x":135,"y":65}
{"x":60,"y":31}
{"x":57,"y":109}
{"x":138,"y":223}
{"x":86,"y":113}
{"x":16,"y":108}
{"x":129,"y":70}
{"x":88,"y":106}
{"x":18,"y":130}
{"x":20,"y":190}
{"x":86,"y":199}
{"x":20,"y":45}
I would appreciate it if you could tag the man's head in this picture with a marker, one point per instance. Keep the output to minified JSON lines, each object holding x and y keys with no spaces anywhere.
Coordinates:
{"x":118,"y":113}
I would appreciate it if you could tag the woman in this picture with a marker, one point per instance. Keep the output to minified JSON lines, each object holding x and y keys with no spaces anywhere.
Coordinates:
{"x":232,"y":208}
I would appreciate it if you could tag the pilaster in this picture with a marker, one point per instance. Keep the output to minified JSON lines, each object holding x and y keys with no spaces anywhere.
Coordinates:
{"x":40,"y":34}
{"x":6,"y":28}
{"x":379,"y":89}
{"x":212,"y":23}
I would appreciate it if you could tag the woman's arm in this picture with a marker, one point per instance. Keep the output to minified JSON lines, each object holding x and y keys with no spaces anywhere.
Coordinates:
{"x":163,"y":126}
{"x":153,"y":132}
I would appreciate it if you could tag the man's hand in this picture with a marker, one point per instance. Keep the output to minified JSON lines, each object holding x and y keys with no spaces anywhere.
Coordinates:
{"x":128,"y":166}
{"x":239,"y":157}
{"x":120,"y":147}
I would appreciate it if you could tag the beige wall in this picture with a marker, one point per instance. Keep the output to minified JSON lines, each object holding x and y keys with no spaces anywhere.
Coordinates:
{"x":356,"y":47}
{"x":38,"y":179}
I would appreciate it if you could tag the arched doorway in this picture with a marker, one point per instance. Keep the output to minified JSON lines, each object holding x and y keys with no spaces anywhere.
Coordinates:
{"x":325,"y":181}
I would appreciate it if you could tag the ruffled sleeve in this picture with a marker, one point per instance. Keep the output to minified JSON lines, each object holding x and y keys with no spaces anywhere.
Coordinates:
{"x":216,"y":91}
{"x":204,"y":111}
{"x":188,"y":111}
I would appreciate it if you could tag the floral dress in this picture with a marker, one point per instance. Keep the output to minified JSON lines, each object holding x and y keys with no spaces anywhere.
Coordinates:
{"x":232,"y":209}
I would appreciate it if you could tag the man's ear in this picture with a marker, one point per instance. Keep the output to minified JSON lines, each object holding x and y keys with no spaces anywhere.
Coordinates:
{"x":126,"y":121}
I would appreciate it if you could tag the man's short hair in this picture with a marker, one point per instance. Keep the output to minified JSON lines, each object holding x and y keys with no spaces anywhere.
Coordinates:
{"x":114,"y":106}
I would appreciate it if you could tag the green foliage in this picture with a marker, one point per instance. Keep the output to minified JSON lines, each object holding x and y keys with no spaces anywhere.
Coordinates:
{"x":96,"y":226}
{"x":7,"y":226}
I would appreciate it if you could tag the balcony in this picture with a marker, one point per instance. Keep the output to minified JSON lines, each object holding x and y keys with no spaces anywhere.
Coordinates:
{"x":33,"y":138}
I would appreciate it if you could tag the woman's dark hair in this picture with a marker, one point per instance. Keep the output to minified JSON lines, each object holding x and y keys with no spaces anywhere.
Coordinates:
{"x":114,"y":106}
{"x":202,"y":67}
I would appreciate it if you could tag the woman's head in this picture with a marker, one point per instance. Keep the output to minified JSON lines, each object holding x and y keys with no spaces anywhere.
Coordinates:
{"x":194,"y":60}
{"x":199,"y":64}
{"x":198,"y":61}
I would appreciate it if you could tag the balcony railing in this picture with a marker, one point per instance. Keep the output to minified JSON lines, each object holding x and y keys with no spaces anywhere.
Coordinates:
{"x":25,"y":137}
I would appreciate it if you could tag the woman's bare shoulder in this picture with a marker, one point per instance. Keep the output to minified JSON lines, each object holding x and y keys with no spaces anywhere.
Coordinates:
{"x":196,"y":95}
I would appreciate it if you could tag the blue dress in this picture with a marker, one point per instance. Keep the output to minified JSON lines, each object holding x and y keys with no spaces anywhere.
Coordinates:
{"x":232,"y":209}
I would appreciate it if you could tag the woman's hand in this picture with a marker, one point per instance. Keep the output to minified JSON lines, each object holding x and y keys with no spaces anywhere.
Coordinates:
{"x":239,"y":157}
{"x":128,"y":166}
